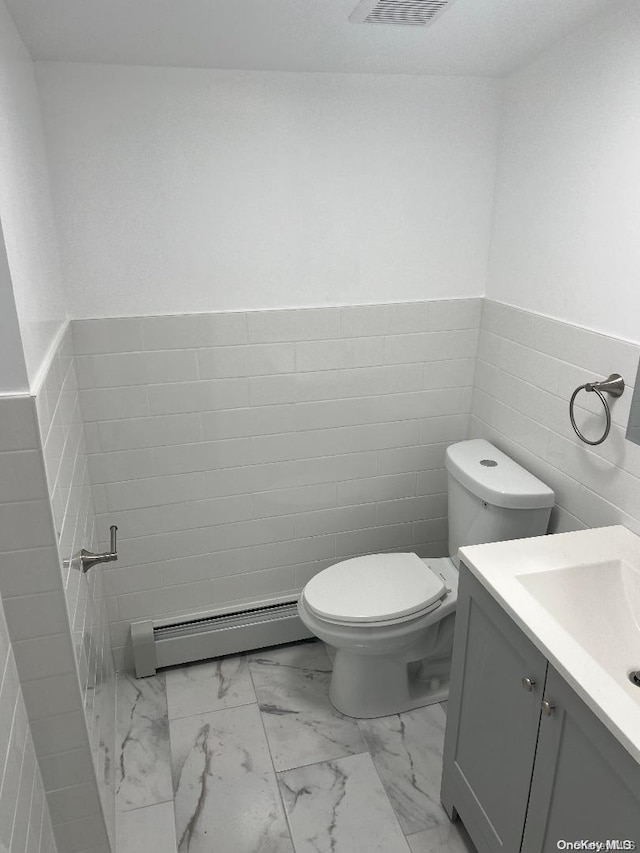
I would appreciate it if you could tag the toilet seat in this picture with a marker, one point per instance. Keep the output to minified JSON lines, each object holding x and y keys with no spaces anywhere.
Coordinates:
{"x":379,"y":589}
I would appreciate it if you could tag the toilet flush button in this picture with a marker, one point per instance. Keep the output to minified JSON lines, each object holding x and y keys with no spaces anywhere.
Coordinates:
{"x":488,"y":463}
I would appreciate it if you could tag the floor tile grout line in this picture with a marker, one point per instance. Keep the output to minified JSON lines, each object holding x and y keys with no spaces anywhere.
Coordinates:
{"x":275,"y":772}
{"x":173,"y":798}
{"x":322,"y":761}
{"x":145,"y":806}
{"x":384,"y":787}
{"x":212,"y":711}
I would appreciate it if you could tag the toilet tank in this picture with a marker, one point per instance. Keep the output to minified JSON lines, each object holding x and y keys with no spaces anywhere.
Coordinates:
{"x":491,"y":497}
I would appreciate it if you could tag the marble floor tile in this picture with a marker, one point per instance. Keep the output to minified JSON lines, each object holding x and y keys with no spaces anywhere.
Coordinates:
{"x":209,"y":686}
{"x":143,"y":763}
{"x":448,"y":838}
{"x":407,"y":751}
{"x":226,"y":793}
{"x":340,"y":807}
{"x":151,"y":828}
{"x":292,"y":686}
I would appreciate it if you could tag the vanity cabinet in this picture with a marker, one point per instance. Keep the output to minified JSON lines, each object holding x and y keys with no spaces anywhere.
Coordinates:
{"x":526,"y":763}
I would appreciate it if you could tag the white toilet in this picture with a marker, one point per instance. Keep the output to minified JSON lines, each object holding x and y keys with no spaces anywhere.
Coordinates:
{"x":390,"y":617}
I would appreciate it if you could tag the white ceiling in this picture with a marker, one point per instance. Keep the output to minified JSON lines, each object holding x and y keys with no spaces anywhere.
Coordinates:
{"x":472,"y":37}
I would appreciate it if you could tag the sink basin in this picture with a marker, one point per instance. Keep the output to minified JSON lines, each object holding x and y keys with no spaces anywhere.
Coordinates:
{"x":577,"y":597}
{"x":598,"y":605}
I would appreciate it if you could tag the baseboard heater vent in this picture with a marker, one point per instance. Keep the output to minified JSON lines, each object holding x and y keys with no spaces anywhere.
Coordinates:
{"x":225,"y":631}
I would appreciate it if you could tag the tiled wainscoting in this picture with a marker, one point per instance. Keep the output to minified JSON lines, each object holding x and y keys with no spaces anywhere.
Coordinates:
{"x":65,"y":459}
{"x":528,"y":366}
{"x":241,"y":453}
{"x":44,"y":516}
{"x":25,"y":822}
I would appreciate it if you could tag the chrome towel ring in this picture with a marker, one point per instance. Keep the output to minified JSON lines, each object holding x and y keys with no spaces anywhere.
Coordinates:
{"x":614,"y":386}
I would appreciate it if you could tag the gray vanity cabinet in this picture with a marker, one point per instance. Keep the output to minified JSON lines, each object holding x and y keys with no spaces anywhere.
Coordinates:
{"x":526,"y":762}
{"x":492,"y":721}
{"x":585,"y":784}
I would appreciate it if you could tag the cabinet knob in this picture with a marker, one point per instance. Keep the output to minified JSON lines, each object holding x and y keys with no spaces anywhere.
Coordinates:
{"x":547,"y":707}
{"x":528,"y":684}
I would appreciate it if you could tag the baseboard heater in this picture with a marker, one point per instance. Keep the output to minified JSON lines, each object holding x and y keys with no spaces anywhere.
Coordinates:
{"x":210,"y":634}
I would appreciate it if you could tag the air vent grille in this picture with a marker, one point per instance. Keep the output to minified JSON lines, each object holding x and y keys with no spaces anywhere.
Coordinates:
{"x":407,"y":13}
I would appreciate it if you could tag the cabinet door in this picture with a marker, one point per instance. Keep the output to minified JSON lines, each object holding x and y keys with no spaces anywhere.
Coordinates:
{"x":586,"y":786}
{"x":492,"y":721}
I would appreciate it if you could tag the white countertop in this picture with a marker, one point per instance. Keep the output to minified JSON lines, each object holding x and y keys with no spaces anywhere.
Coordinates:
{"x":589,"y":625}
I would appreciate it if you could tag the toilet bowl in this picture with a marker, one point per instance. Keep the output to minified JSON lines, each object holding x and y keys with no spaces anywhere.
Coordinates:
{"x":390,"y":617}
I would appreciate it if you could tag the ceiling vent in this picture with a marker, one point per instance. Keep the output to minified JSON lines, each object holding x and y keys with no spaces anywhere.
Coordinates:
{"x":404,"y":13}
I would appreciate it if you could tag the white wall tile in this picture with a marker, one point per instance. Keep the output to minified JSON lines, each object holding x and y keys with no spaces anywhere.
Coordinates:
{"x":251,"y":360}
{"x":335,"y":520}
{"x":335,"y":384}
{"x":100,"y":404}
{"x":336,"y":355}
{"x":187,"y":514}
{"x":30,"y":571}
{"x":392,"y":319}
{"x":332,"y":442}
{"x":82,"y":834}
{"x":136,"y":368}
{"x":118,"y":334}
{"x":238,"y":480}
{"x":293,"y":325}
{"x":36,"y":615}
{"x":204,"y":456}
{"x":65,"y":769}
{"x":528,"y":366}
{"x":411,"y":509}
{"x":293,"y":552}
{"x":373,"y":489}
{"x":59,"y":733}
{"x":205,"y":396}
{"x":431,"y":346}
{"x":53,"y":694}
{"x":149,"y":432}
{"x":25,"y":523}
{"x":18,"y":426}
{"x":408,"y":459}
{"x":454,"y":314}
{"x":73,"y":802}
{"x":373,"y":539}
{"x":21,"y":476}
{"x":43,"y":656}
{"x":287,"y":501}
{"x":155,"y":491}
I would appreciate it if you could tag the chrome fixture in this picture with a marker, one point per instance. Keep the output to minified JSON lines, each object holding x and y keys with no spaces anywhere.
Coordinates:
{"x":89,"y":559}
{"x":528,"y":684}
{"x":547,"y":707}
{"x":614,"y":386}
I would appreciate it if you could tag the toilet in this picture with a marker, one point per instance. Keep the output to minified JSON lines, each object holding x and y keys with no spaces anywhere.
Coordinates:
{"x":390,"y":617}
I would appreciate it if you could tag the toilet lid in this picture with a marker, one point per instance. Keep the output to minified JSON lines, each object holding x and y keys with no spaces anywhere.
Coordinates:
{"x":374,"y":588}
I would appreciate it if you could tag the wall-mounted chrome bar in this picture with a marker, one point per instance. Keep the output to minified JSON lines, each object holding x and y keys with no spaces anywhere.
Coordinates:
{"x":614,"y":386}
{"x":88,"y":559}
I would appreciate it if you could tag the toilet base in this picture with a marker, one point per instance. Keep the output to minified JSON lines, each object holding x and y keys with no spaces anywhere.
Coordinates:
{"x":367,"y":686}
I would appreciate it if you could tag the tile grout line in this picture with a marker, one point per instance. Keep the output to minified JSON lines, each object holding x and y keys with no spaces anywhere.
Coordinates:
{"x":275,"y":772}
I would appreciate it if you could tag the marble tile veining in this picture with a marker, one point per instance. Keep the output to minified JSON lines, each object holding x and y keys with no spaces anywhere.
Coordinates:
{"x":143,"y":771}
{"x":292,"y":686}
{"x":209,"y":686}
{"x":448,"y":838}
{"x":340,"y":807}
{"x":407,"y":751}
{"x":151,"y":828}
{"x":195,"y":772}
{"x":226,"y":794}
